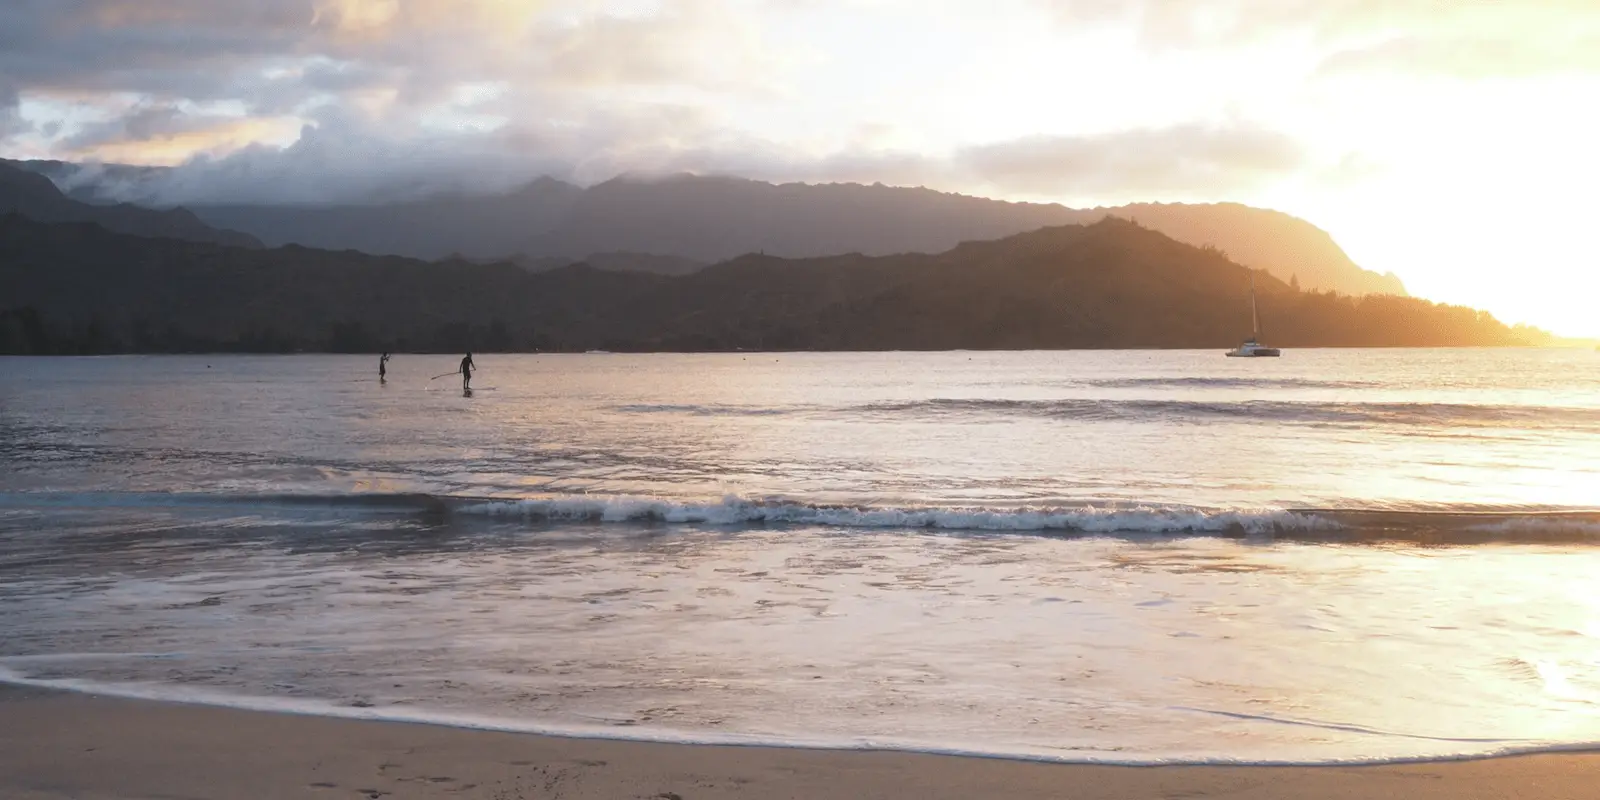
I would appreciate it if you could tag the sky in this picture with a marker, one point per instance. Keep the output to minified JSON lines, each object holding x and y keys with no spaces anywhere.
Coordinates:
{"x":1455,"y":143}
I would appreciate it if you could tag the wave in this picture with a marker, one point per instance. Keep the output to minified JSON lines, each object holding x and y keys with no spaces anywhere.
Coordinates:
{"x":1421,"y":415}
{"x":404,"y":501}
{"x":1465,"y":523}
{"x":1405,"y":415}
{"x":702,"y":410}
{"x":736,"y":511}
{"x":1196,"y":382}
{"x":1111,"y":754}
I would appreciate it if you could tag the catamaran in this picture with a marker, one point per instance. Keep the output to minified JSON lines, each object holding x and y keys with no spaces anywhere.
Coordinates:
{"x":1252,"y":347}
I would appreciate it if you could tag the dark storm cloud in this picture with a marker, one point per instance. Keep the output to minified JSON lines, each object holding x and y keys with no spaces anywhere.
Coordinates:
{"x":11,"y":121}
{"x":184,"y":48}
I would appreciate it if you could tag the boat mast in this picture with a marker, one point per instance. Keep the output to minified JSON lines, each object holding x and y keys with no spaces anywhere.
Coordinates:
{"x":1255,"y":321}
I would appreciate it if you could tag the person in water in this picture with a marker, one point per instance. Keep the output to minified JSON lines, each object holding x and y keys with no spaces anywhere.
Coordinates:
{"x":466,"y":373}
{"x":383,"y":367}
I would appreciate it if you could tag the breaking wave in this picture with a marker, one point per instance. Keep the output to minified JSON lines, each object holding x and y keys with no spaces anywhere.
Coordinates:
{"x":1464,"y":524}
{"x":742,"y":512}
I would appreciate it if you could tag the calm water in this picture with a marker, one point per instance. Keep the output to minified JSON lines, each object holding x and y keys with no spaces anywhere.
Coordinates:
{"x":1116,"y":556}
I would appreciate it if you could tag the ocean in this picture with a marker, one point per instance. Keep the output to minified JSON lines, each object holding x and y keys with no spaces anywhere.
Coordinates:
{"x":1143,"y":557}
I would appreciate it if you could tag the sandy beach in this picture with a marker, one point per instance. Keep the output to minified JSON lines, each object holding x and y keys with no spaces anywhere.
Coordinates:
{"x":58,"y":745}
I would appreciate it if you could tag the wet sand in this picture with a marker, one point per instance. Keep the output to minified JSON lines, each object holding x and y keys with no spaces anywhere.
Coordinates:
{"x":57,"y":745}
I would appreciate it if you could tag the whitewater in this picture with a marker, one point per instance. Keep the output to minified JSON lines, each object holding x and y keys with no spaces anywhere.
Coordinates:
{"x":1123,"y":557}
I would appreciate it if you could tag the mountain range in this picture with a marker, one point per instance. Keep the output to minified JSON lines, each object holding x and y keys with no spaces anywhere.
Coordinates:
{"x":689,"y":219}
{"x":35,"y":196}
{"x":80,"y":288}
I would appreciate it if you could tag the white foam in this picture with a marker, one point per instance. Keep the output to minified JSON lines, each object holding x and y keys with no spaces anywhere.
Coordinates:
{"x":1581,"y":528}
{"x":734,"y":510}
{"x":662,"y":735}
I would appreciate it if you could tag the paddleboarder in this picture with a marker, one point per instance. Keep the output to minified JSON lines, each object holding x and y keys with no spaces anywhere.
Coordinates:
{"x":466,"y":373}
{"x":383,"y":367}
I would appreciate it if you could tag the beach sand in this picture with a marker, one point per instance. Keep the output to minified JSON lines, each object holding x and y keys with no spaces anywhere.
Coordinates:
{"x":61,"y":745}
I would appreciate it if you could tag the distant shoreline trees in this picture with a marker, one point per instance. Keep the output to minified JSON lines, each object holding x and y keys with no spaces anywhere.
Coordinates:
{"x":75,"y":289}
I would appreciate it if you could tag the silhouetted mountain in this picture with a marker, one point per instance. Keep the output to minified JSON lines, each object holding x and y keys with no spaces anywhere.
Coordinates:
{"x":615,"y":262}
{"x":713,"y":219}
{"x":81,"y":288}
{"x":474,"y":226}
{"x":1258,"y":237}
{"x":709,"y":219}
{"x":34,"y":196}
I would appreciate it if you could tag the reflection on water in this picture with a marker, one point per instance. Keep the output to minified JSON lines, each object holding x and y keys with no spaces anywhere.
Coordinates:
{"x":984,"y":551}
{"x":1346,"y":428}
{"x":1115,"y":648}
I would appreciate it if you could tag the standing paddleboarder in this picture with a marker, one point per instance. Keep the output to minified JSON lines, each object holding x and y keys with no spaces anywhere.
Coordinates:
{"x":466,"y":373}
{"x":383,"y":367}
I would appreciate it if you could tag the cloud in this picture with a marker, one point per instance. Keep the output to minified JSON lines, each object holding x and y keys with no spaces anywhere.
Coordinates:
{"x":1471,"y":58}
{"x":11,"y":121}
{"x":693,"y":43}
{"x":1157,"y":162}
{"x":382,"y":91}
{"x":143,"y":122}
{"x":347,"y":154}
{"x":344,"y":157}
{"x":1461,"y":39}
{"x":353,"y":100}
{"x":338,"y":159}
{"x":1171,"y":163}
{"x":175,"y":47}
{"x":211,"y":50}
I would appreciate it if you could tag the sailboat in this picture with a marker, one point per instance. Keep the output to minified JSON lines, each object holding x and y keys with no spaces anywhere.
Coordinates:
{"x":1252,"y":348}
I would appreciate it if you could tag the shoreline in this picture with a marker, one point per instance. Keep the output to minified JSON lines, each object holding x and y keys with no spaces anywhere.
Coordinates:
{"x":60,"y":744}
{"x":12,"y":683}
{"x":1581,"y":345}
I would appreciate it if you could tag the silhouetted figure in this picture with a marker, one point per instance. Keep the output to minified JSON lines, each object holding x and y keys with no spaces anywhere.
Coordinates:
{"x":466,"y":373}
{"x":383,"y":367}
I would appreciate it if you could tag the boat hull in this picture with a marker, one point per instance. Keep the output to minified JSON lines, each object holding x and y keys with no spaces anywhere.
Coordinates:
{"x":1263,"y":352}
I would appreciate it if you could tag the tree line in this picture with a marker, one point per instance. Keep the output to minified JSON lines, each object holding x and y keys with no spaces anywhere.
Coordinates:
{"x":79,"y":289}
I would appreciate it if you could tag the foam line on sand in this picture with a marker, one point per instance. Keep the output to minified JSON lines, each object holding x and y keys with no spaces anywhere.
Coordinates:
{"x":56,"y":745}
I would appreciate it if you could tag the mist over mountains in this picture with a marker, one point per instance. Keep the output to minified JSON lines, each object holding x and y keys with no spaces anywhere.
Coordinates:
{"x":36,"y":197}
{"x":687,"y":219}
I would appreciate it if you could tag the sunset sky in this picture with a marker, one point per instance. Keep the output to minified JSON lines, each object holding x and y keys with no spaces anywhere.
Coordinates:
{"x":1453,"y":142}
